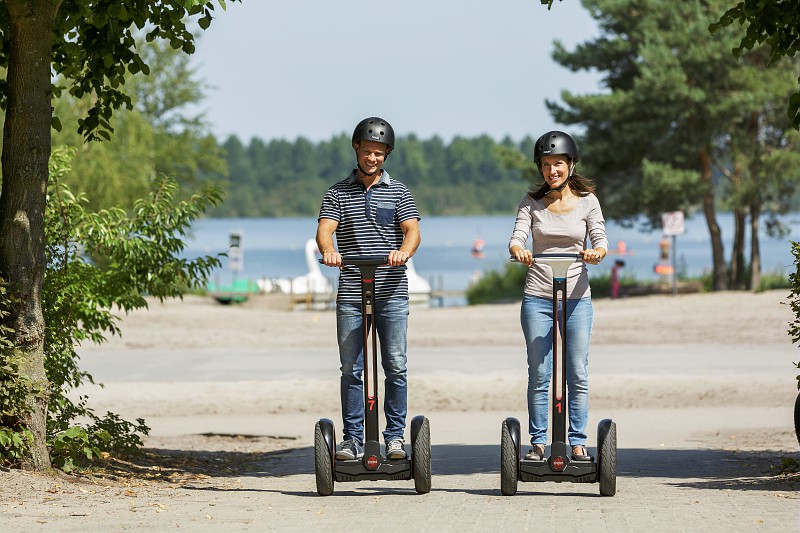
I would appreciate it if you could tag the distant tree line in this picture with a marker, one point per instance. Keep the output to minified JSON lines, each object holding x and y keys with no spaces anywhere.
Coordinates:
{"x":281,"y":178}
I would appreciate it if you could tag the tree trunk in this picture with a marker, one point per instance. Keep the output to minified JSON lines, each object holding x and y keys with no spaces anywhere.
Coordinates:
{"x":737,"y":277}
{"x":720,"y":281}
{"x":26,"y":152}
{"x":755,"y":203}
{"x":755,"y":252}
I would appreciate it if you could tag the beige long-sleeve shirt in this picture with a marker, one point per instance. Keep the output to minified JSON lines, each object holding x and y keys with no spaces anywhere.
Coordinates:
{"x":559,"y":234}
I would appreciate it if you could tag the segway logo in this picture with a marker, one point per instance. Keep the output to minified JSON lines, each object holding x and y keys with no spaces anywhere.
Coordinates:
{"x":558,"y":464}
{"x":371,"y":404}
{"x":372,"y":462}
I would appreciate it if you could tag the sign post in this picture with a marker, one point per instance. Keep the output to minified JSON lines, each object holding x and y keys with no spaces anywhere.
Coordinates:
{"x":672,"y":225}
{"x":236,"y":255}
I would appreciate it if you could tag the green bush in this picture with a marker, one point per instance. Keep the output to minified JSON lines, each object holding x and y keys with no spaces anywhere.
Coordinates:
{"x":507,"y":286}
{"x":98,"y":264}
{"x":794,"y":301}
{"x":774,"y":280}
{"x":494,"y":286}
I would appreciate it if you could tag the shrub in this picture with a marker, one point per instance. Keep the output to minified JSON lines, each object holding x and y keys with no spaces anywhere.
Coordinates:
{"x":97,"y":264}
{"x":496,"y":286}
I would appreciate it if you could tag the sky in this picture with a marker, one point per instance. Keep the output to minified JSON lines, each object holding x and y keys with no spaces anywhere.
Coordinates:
{"x":315,"y":68}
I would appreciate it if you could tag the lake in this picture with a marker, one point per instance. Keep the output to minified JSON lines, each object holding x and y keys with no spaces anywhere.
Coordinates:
{"x":274,"y":247}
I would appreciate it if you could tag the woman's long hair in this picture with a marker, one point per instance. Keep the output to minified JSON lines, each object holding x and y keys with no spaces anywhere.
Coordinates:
{"x":580,"y":185}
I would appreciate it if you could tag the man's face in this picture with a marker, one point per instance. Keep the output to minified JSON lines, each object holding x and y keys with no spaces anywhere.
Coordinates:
{"x":370,"y":156}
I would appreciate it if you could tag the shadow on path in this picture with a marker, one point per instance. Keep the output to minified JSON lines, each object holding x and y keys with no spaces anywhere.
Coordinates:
{"x":712,"y":469}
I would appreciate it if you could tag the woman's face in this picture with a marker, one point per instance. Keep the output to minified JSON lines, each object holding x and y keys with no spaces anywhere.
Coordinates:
{"x":555,"y":169}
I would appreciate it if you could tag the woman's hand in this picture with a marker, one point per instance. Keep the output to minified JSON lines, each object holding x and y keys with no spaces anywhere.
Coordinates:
{"x":593,"y":256}
{"x":522,"y":255}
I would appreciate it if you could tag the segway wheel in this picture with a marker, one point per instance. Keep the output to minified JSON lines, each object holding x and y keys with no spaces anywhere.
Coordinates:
{"x":421,"y":454}
{"x":797,"y":418}
{"x":607,"y":457}
{"x":509,"y":458}
{"x":323,"y":459}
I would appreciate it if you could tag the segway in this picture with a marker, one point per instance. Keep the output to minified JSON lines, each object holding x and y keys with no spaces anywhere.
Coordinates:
{"x":559,"y":467}
{"x":372,"y":466}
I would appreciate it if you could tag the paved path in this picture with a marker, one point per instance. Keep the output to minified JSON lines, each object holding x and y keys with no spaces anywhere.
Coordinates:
{"x":674,"y":473}
{"x":659,"y":489}
{"x":286,"y":363}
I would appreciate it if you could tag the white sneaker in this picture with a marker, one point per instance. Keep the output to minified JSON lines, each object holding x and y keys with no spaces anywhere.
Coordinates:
{"x":349,"y":449}
{"x":394,"y":449}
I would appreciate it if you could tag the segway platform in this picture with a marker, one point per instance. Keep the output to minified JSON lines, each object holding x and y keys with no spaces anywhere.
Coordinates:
{"x":373,"y":466}
{"x":559,"y":466}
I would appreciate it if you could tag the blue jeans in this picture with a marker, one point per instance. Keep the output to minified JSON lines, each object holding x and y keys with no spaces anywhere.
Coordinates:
{"x":537,"y":324}
{"x":391,"y":322}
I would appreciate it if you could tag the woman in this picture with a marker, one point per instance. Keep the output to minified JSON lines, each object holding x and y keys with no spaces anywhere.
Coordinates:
{"x":558,"y":216}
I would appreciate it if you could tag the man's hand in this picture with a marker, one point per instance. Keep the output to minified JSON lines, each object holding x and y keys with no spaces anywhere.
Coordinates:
{"x":398,"y":257}
{"x":332,"y":259}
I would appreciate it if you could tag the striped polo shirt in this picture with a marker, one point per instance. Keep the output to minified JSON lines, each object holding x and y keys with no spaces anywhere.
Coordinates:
{"x":369,"y":224}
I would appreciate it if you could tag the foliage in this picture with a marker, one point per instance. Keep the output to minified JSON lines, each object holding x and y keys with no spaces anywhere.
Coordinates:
{"x":282,"y":178}
{"x":183,"y":145}
{"x":601,"y":284}
{"x":159,"y":135}
{"x":86,"y":47}
{"x":794,"y":300}
{"x":771,"y":281}
{"x":136,"y":254}
{"x":494,"y":286}
{"x":14,"y":386}
{"x":672,"y":89}
{"x":788,"y":466}
{"x":794,"y":296}
{"x":774,"y":22}
{"x":683,"y":124}
{"x":508,"y":285}
{"x":95,"y":47}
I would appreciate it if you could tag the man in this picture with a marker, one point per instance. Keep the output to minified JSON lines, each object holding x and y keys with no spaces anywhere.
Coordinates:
{"x":371,"y":213}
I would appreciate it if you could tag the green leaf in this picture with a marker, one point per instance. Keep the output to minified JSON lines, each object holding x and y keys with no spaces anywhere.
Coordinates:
{"x":794,"y":110}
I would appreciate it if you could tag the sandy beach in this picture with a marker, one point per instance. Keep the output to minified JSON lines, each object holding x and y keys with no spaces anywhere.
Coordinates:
{"x":238,"y":384}
{"x":728,"y":317}
{"x":295,"y":352}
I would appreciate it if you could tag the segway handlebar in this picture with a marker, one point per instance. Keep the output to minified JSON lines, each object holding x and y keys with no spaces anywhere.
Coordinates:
{"x":365,"y":260}
{"x":544,"y":257}
{"x":558,"y":263}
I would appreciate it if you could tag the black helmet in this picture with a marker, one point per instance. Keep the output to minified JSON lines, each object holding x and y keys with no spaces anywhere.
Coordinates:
{"x":555,"y":143}
{"x":374,"y":129}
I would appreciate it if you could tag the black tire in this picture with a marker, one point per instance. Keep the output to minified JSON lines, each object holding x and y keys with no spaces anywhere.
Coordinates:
{"x":509,"y":461}
{"x":607,"y":457}
{"x":323,"y":462}
{"x":797,"y":417}
{"x":421,"y":454}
